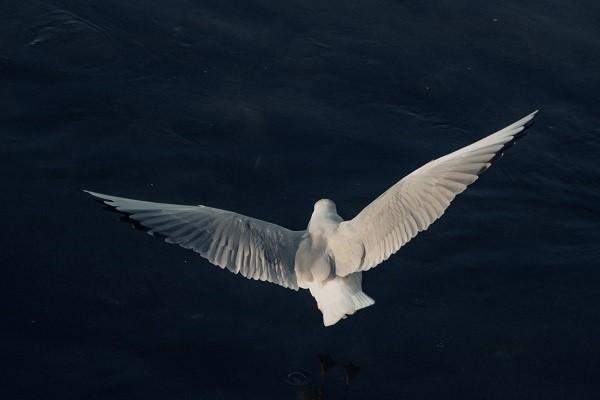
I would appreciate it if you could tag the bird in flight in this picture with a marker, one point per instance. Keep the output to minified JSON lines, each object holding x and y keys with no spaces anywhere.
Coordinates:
{"x":329,"y":257}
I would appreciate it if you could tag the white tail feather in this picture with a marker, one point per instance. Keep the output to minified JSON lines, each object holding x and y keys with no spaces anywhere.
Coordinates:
{"x":339,"y":297}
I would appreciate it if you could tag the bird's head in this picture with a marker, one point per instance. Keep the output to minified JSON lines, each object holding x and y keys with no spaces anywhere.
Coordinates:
{"x":325,"y":206}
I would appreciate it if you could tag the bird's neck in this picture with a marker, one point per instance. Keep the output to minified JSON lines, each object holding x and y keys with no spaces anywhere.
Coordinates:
{"x":321,"y":222}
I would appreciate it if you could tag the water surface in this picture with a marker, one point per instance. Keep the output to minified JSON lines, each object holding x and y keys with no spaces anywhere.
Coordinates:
{"x":263,"y":107}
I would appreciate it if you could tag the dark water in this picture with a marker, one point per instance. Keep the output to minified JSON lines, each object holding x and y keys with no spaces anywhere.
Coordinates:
{"x":263,"y":107}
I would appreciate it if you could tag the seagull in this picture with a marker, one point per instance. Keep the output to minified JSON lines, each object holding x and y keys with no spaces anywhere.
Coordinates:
{"x":329,"y":257}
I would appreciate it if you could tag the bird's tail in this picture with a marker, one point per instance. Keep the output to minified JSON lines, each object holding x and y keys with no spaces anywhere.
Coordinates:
{"x":340,"y":296}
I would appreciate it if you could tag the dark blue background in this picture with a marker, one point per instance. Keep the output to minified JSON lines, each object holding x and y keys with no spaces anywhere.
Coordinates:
{"x":263,"y":107}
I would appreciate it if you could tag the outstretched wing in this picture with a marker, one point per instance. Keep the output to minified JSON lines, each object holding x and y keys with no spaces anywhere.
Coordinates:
{"x":253,"y":248}
{"x":415,"y":202}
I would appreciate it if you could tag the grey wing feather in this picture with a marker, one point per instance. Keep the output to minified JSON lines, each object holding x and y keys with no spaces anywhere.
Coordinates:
{"x":253,"y":248}
{"x":415,"y":202}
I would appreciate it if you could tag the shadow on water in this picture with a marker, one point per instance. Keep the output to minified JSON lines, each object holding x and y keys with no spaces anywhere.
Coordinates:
{"x":329,"y":386}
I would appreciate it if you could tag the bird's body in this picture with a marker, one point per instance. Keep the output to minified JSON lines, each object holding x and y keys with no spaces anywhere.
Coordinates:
{"x":329,"y":257}
{"x":315,"y":267}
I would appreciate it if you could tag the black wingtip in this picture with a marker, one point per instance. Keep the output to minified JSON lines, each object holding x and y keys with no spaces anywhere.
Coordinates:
{"x":134,"y":224}
{"x":514,"y":140}
{"x":529,"y":123}
{"x":107,"y":205}
{"x":99,"y":201}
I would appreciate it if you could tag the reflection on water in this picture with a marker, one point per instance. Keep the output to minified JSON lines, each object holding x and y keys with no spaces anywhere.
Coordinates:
{"x":308,"y":390}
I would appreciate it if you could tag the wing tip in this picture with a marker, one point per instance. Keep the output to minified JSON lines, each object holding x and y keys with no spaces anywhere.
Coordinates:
{"x":108,"y":205}
{"x":99,"y":197}
{"x":529,"y":120}
{"x":91,"y":193}
{"x":521,"y":127}
{"x":524,"y":123}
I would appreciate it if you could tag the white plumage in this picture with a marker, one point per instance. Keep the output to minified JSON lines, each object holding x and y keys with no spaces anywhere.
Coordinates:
{"x":327,"y":258}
